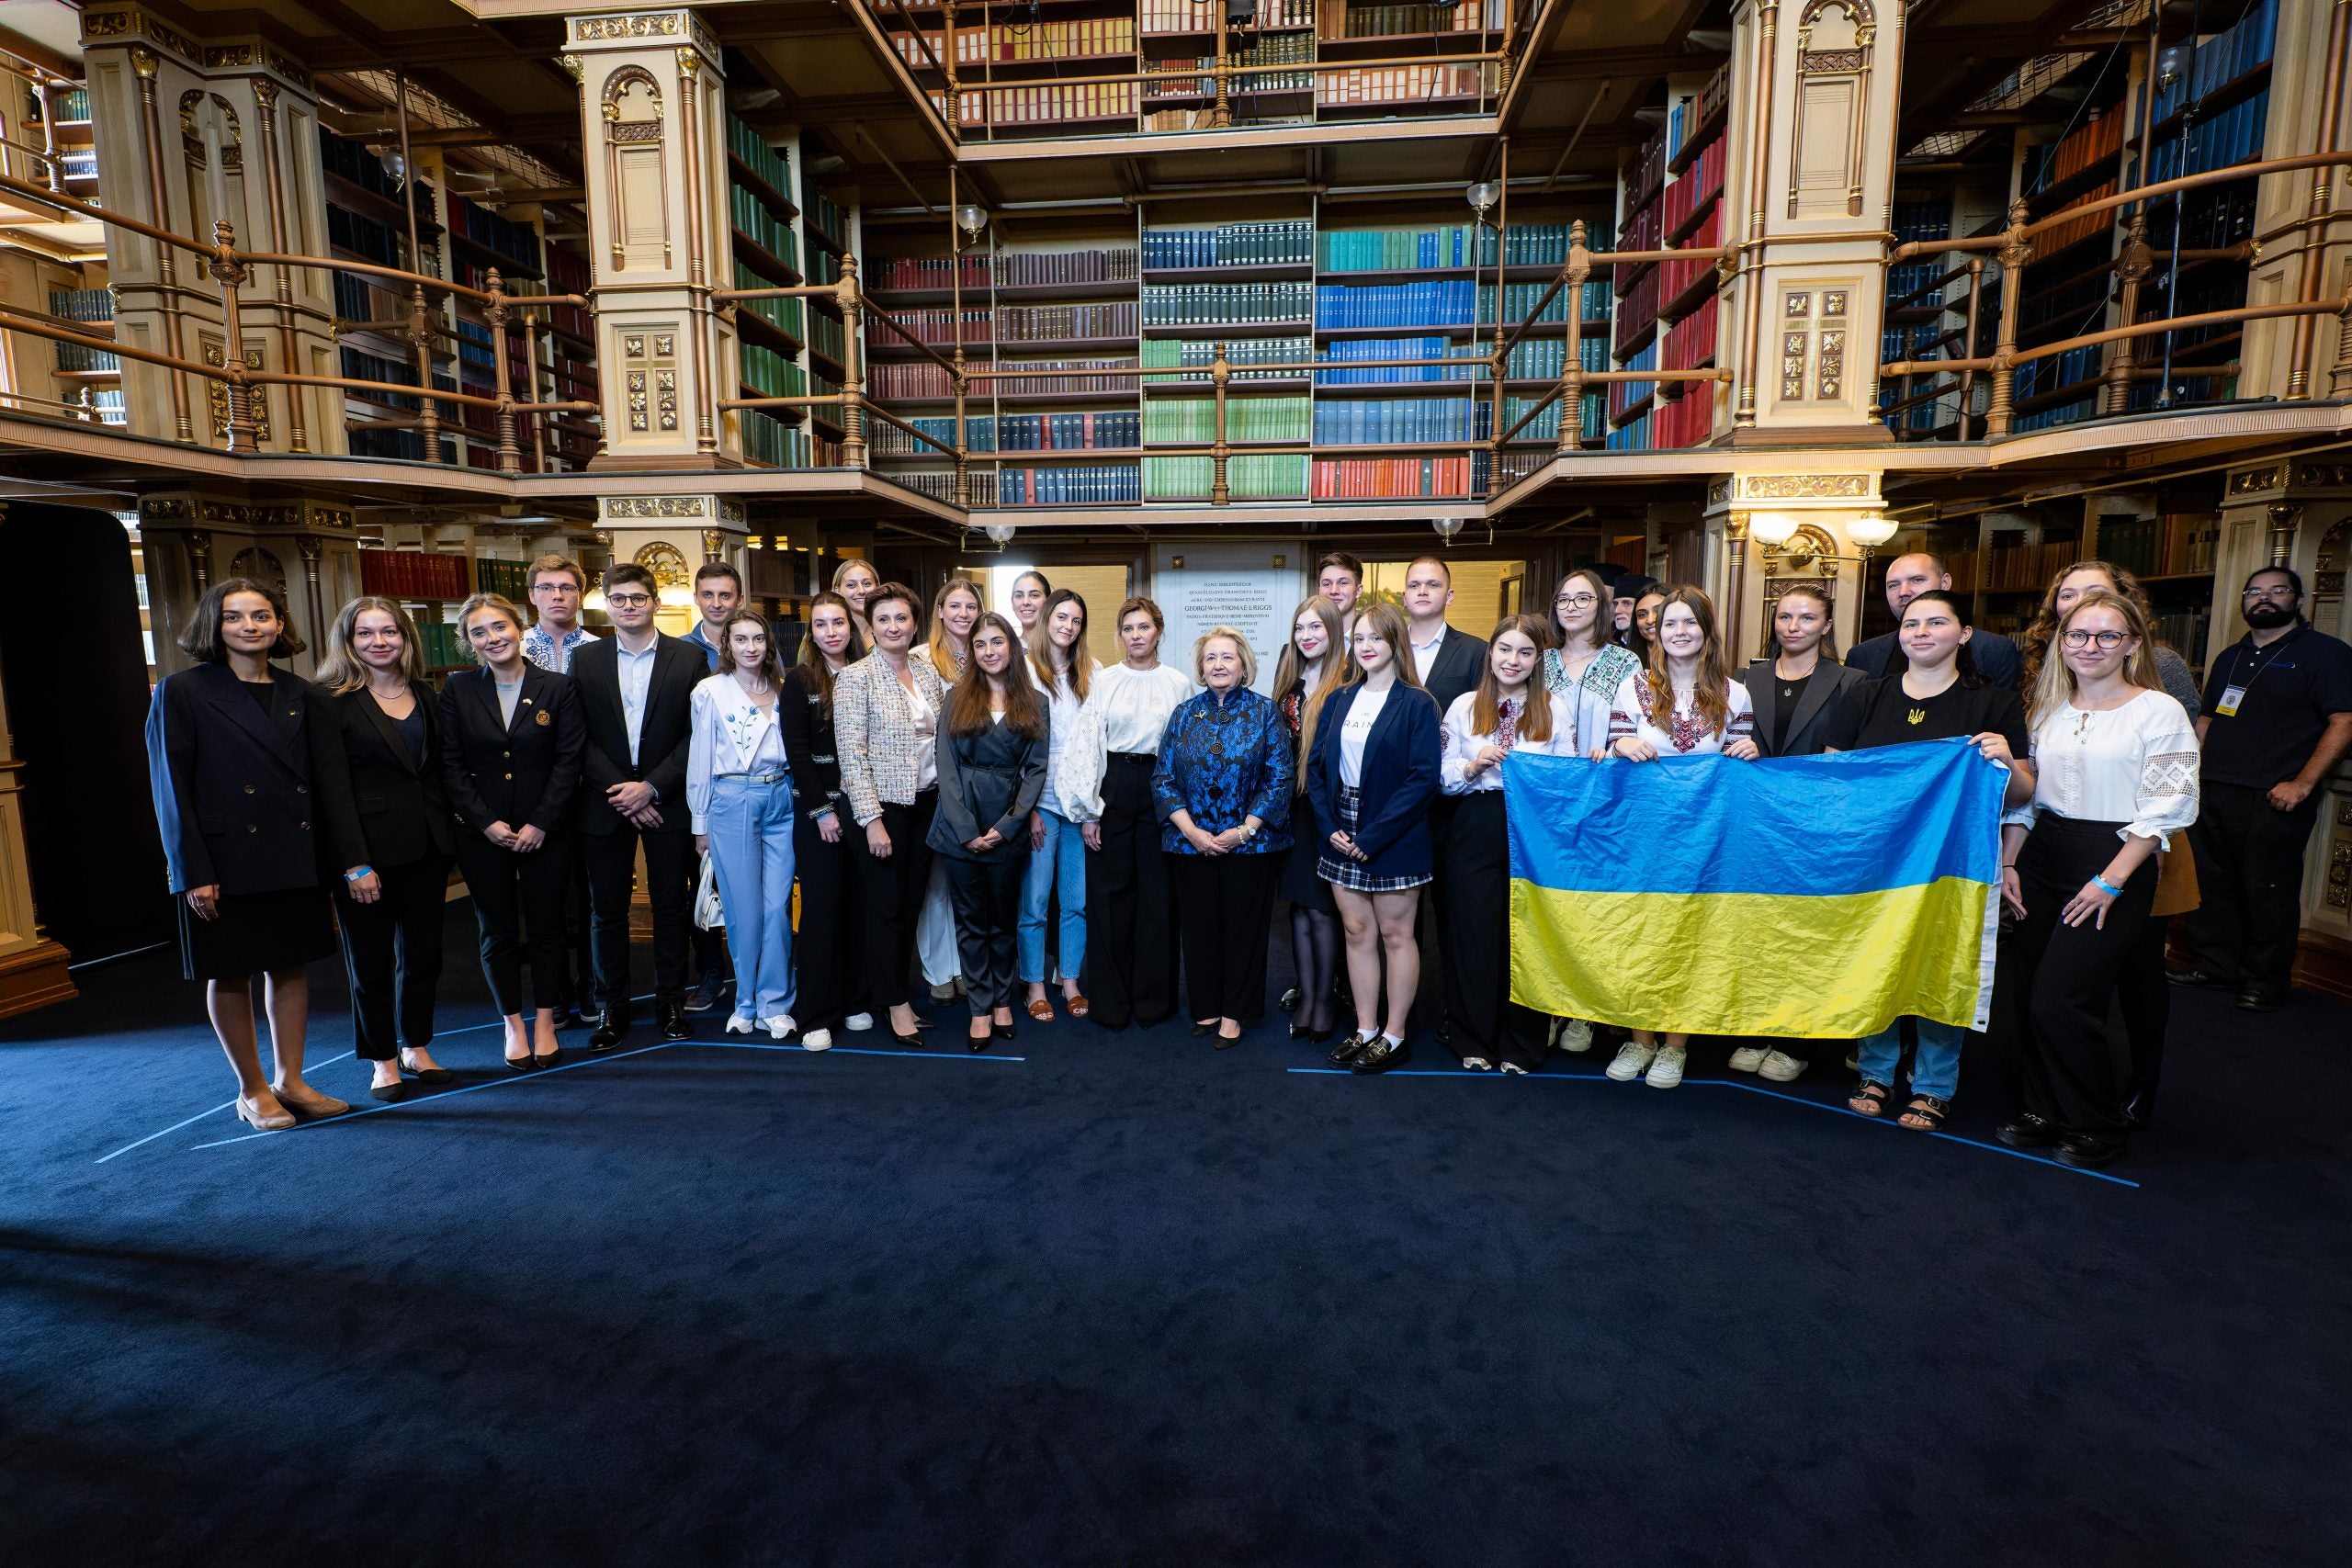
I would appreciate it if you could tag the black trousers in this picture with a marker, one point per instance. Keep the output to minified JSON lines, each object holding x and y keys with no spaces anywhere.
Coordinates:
{"x":985,"y":896}
{"x":821,"y":946}
{"x":518,"y":903}
{"x":1223,"y":904}
{"x":670,"y":869}
{"x":1130,"y":936}
{"x":1433,"y":1003}
{"x":579,"y":939}
{"x":391,"y":954}
{"x":2145,"y":1001}
{"x":2250,"y":885}
{"x":891,"y":889}
{"x":1476,"y":937}
{"x":2065,"y":975}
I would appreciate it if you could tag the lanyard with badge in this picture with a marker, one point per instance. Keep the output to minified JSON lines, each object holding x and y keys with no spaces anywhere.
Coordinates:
{"x":2234,"y":693}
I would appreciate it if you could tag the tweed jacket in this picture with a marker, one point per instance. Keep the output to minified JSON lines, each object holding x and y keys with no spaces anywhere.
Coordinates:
{"x":875,"y":735}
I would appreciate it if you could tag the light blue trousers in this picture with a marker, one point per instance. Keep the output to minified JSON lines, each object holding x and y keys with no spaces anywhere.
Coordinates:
{"x":1935,"y":1065}
{"x":751,"y":852}
{"x":1061,"y":867}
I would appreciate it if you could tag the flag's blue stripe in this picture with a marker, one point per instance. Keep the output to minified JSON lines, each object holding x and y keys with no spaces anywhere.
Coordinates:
{"x":1857,"y":823}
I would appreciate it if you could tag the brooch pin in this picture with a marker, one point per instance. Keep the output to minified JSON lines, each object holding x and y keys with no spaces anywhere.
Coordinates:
{"x":543,"y":717}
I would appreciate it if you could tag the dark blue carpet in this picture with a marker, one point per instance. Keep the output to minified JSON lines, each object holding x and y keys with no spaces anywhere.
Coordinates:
{"x":1131,"y":1300}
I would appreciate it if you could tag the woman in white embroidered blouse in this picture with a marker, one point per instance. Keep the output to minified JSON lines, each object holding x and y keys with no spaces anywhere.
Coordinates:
{"x":1684,"y":704}
{"x":1066,"y":672}
{"x":2115,"y":764}
{"x":738,"y":789}
{"x":1509,"y":713}
{"x":1586,"y":668}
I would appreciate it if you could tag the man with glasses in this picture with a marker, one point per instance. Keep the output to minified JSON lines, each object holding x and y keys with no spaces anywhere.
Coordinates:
{"x":556,"y":587}
{"x":2277,"y":720}
{"x":636,"y":693}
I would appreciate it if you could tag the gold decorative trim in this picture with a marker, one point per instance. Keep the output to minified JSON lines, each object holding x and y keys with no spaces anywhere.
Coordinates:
{"x":106,"y":27}
{"x":1806,"y":487}
{"x":2254,"y":482}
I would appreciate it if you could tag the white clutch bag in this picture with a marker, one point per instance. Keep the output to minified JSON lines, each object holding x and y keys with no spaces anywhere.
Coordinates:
{"x":708,"y":914}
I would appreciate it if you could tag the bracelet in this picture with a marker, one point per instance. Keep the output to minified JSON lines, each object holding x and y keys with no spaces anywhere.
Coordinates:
{"x":2104,"y":886}
{"x":2008,"y":865}
{"x":356,"y":875}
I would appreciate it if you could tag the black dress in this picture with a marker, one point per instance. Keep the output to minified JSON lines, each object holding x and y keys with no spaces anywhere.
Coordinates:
{"x":1299,"y":884}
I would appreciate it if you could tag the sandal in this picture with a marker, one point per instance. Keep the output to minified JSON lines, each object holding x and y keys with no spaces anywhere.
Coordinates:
{"x":1077,"y":1006}
{"x":1042,"y":1010}
{"x":1924,"y":1113}
{"x":1870,"y":1099}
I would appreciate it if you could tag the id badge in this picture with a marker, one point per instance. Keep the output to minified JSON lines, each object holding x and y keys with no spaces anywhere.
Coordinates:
{"x":2231,"y":696}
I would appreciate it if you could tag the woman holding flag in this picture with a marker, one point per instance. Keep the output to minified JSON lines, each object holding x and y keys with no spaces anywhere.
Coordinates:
{"x":1685,"y":704}
{"x":1939,"y":697}
{"x":2115,"y":771}
{"x":1511,"y":710}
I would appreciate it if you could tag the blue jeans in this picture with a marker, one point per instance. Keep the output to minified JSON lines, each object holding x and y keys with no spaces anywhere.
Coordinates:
{"x":1058,"y":867}
{"x":749,"y":828}
{"x":1935,"y":1065}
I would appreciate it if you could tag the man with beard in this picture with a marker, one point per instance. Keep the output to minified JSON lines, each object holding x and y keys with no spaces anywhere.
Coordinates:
{"x":2278,"y":718}
{"x":1907,"y":577}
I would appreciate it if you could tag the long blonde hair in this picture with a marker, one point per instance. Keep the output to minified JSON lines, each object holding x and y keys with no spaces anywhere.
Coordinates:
{"x":1290,"y":671}
{"x":341,"y":670}
{"x":1040,"y":643}
{"x":2053,"y":686}
{"x":944,"y":660}
{"x":1710,"y":692}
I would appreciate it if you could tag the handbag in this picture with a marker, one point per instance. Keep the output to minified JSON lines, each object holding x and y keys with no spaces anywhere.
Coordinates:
{"x":2176,"y":891}
{"x":710,"y":915}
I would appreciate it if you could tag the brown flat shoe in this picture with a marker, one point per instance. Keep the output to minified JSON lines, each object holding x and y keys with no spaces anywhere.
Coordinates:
{"x":1042,"y":1010}
{"x":1077,"y":1006}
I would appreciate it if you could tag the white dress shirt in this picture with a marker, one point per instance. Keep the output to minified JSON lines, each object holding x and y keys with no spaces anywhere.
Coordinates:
{"x":1425,"y":653}
{"x":2135,"y":764}
{"x":1462,"y":742}
{"x":1061,"y":725}
{"x":1133,"y":706}
{"x":1356,"y":732}
{"x":637,"y":679}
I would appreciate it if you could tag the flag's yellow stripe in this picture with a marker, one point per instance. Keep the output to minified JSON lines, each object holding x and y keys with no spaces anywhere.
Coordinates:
{"x":1836,"y":967}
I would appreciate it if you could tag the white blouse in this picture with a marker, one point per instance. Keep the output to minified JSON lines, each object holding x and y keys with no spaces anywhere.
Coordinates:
{"x":1062,"y":722}
{"x":2135,"y":764}
{"x":1678,"y":734}
{"x":1462,"y":743}
{"x":1355,"y":733}
{"x":1133,"y":706}
{"x":925,"y":719}
{"x":727,"y":733}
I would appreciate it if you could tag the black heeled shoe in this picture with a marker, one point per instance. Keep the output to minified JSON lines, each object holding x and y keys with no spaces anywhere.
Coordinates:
{"x":522,"y":1063}
{"x":1200,"y":1029}
{"x":427,"y":1075}
{"x":1003,"y":1031}
{"x":910,"y":1041}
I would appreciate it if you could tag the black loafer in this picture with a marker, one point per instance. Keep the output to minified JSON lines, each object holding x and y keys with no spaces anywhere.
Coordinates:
{"x":608,"y":1034}
{"x":2085,"y":1152}
{"x":2259,"y":1001}
{"x":1380,"y":1055}
{"x":676,"y":1024}
{"x":1347,"y":1050}
{"x":2200,"y":976}
{"x":2027,"y":1131}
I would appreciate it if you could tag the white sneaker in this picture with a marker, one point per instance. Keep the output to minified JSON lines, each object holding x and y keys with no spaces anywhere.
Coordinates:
{"x":779,"y":1026}
{"x":1476,"y":1064}
{"x":1632,"y":1057}
{"x":817,"y":1040}
{"x":1747,"y":1058}
{"x":1575,"y":1036}
{"x":739,"y":1025}
{"x":1781,"y":1067}
{"x":1510,"y":1067}
{"x":1666,"y":1071}
{"x":858,"y":1022}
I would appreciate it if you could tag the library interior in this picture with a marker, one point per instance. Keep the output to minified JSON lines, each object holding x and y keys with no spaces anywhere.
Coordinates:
{"x":1157,"y":297}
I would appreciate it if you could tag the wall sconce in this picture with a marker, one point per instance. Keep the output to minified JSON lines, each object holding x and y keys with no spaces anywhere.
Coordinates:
{"x":1002,"y":533}
{"x":1772,"y":529}
{"x":971,"y":218}
{"x":1788,"y":544}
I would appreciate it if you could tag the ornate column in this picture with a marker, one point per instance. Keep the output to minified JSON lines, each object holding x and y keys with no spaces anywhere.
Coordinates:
{"x":1777,"y":530}
{"x":301,"y":548}
{"x":652,"y":106}
{"x":670,"y":535}
{"x":1809,"y":185}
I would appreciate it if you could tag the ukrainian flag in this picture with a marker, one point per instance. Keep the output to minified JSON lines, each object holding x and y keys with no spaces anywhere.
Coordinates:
{"x":1813,"y":896}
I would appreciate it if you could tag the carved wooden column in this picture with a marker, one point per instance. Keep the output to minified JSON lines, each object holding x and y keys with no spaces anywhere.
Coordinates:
{"x":32,"y":968}
{"x":652,"y":106}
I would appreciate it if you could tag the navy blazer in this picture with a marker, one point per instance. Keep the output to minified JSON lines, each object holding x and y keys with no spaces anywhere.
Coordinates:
{"x":383,"y":807}
{"x":1998,"y":659}
{"x":527,"y":775}
{"x":233,"y":786}
{"x":663,"y":737}
{"x":1400,"y":779}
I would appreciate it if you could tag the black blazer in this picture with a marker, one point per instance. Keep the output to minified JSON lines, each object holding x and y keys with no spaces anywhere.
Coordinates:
{"x":662,"y":741}
{"x":1400,"y":778}
{"x":1808,"y":725}
{"x":1461,"y":659}
{"x":382,"y":808}
{"x":233,"y":786}
{"x":526,"y":776}
{"x":806,"y":722}
{"x":988,"y":780}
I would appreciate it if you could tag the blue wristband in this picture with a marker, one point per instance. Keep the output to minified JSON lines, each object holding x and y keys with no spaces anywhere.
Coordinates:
{"x":356,"y":875}
{"x":2104,"y":886}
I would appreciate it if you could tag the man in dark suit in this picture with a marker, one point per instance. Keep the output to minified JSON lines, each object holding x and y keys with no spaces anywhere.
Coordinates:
{"x":635,"y":691}
{"x":1907,"y":577}
{"x":1448,"y":664}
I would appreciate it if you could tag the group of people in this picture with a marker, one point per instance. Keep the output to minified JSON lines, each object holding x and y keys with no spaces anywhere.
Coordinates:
{"x":969,"y":798}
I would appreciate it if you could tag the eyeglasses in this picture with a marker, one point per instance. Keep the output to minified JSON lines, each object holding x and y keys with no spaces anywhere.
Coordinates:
{"x":1575,"y":600}
{"x":628,"y":599}
{"x":2105,"y":639}
{"x":2282,"y":591}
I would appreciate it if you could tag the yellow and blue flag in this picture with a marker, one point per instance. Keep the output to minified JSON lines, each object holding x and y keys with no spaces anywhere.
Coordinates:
{"x":1819,"y":898}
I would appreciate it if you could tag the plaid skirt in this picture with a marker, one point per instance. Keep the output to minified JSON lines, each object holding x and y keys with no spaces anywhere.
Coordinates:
{"x":1350,"y":874}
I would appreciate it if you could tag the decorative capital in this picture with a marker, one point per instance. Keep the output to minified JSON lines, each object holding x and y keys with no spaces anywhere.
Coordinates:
{"x":145,"y":62}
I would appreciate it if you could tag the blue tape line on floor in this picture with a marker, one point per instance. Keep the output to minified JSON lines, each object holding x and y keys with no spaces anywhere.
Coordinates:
{"x":1726,"y":1083}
